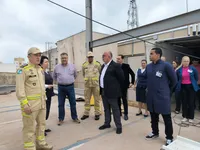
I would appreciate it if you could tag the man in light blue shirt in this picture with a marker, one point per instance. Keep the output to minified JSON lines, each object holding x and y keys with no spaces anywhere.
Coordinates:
{"x":65,"y":75}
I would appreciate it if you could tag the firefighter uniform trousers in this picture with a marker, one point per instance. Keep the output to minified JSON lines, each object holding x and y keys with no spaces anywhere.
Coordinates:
{"x":91,"y":76}
{"x":30,"y":91}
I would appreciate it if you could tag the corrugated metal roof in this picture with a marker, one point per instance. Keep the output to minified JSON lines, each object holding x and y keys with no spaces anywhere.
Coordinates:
{"x":11,"y":68}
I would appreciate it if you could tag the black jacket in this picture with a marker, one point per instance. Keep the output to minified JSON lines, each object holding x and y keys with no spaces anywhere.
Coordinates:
{"x":128,"y":71}
{"x":49,"y":81}
{"x":113,"y":80}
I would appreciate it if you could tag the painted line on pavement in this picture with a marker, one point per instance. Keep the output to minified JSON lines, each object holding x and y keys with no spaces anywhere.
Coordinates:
{"x":73,"y":148}
{"x":82,"y":142}
{"x":10,"y":110}
{"x":8,"y":122}
{"x":8,"y":106}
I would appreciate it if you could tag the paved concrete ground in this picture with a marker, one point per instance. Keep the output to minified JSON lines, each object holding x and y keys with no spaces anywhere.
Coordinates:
{"x":6,"y":89}
{"x":85,"y":136}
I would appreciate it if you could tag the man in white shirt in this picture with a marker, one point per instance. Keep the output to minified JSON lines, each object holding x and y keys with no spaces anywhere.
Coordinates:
{"x":111,"y":81}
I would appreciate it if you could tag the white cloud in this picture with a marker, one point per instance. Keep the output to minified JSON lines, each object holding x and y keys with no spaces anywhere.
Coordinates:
{"x":27,"y":23}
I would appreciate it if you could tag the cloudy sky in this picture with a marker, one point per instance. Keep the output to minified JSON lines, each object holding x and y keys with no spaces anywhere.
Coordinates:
{"x":26,"y":23}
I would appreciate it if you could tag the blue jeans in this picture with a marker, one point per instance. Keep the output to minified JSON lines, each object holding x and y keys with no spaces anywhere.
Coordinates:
{"x":64,"y":91}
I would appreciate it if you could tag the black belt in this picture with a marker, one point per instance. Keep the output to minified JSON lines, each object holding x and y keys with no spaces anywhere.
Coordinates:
{"x":65,"y":84}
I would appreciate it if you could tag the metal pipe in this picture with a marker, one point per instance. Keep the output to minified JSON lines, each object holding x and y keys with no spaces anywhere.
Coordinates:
{"x":88,"y":5}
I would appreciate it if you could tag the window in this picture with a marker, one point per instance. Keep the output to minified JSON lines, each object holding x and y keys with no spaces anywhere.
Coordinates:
{"x":56,"y":61}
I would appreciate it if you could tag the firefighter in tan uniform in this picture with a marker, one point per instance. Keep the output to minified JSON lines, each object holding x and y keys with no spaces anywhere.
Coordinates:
{"x":91,"y":70}
{"x":30,"y":91}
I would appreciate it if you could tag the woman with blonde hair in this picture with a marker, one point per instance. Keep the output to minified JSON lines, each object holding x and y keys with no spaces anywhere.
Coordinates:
{"x":187,"y":84}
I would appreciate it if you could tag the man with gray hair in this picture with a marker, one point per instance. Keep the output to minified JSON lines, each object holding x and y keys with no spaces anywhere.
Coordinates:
{"x":111,"y":81}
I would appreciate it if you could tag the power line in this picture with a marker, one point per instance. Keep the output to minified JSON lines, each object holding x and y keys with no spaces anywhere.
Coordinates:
{"x":118,"y":30}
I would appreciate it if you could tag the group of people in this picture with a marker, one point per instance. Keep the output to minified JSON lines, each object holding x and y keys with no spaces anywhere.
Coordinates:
{"x":154,"y":84}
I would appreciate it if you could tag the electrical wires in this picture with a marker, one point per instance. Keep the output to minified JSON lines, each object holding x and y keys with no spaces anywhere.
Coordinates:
{"x":131,"y":36}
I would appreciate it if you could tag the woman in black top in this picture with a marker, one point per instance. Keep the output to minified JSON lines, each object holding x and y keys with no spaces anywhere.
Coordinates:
{"x":48,"y":85}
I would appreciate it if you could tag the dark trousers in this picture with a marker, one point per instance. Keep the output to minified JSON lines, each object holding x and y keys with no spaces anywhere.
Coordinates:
{"x":198,"y":98}
{"x":178,"y":101}
{"x":111,"y":103}
{"x":168,"y":124}
{"x":188,"y":97}
{"x":48,"y":106}
{"x":64,"y":91}
{"x":125,"y":102}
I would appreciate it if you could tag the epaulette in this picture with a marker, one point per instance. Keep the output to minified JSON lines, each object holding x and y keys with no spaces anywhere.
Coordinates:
{"x":98,"y":62}
{"x":85,"y":64}
{"x":24,"y":65}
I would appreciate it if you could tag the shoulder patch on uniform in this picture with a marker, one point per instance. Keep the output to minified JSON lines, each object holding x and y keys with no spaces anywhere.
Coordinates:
{"x":19,"y":71}
{"x":24,"y":65}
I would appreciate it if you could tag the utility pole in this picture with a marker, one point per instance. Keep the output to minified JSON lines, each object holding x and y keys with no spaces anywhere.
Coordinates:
{"x":47,"y":47}
{"x":188,"y":27}
{"x":132,"y":21}
{"x":88,"y":7}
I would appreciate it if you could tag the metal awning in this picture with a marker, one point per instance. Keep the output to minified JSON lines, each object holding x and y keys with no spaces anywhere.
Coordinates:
{"x":191,"y":42}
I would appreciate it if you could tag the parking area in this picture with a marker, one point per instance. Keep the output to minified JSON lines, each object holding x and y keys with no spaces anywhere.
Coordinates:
{"x":86,"y":136}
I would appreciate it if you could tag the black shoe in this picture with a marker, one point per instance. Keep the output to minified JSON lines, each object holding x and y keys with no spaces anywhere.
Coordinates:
{"x":119,"y":130}
{"x":104,"y":127}
{"x":125,"y":117}
{"x":76,"y":120}
{"x":60,"y":122}
{"x":97,"y":117}
{"x":45,"y":134}
{"x":169,"y":141}
{"x":47,"y":130}
{"x":138,"y":114}
{"x":151,"y":136}
{"x":84,"y":117}
{"x":146,"y":116}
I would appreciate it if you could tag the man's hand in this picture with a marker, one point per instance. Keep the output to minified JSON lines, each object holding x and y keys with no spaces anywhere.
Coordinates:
{"x":134,"y":87}
{"x":50,"y":86}
{"x":130,"y":85}
{"x":27,"y":109}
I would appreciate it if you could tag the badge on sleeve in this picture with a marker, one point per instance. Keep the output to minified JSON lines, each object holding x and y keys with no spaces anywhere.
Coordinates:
{"x":19,"y":71}
{"x":159,"y":74}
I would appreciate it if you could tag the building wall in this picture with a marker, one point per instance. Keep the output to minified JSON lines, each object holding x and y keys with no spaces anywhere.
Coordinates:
{"x":75,"y":47}
{"x":19,"y":62}
{"x":10,"y":68}
{"x":52,"y":54}
{"x":7,"y":78}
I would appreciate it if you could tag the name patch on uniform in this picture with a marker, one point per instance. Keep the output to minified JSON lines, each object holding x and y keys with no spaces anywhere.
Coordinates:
{"x":190,"y":71}
{"x":158,"y":74}
{"x":19,"y":71}
{"x":32,"y":76}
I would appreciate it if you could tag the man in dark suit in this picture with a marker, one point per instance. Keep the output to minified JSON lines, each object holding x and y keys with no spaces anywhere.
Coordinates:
{"x":127,"y":71}
{"x":111,"y":79}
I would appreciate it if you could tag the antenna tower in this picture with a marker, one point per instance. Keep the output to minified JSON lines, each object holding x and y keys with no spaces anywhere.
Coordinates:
{"x":132,"y":21}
